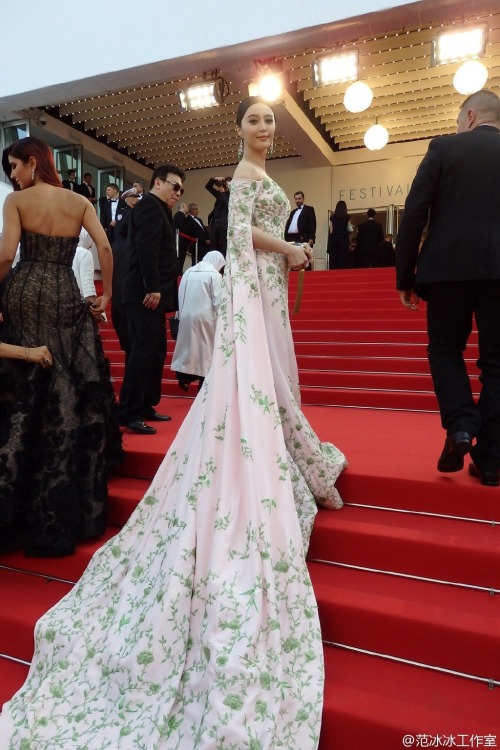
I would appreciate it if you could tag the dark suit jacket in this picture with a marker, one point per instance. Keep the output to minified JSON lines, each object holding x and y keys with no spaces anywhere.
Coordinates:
{"x":221,"y":206}
{"x":457,"y":187}
{"x":107,"y":217}
{"x":370,"y":235}
{"x":153,"y":264}
{"x":66,"y":184}
{"x":86,"y":190}
{"x":306,"y":223}
{"x":194,"y":230}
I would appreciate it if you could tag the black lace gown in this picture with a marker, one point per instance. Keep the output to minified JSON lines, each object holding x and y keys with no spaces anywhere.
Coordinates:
{"x":59,"y":433}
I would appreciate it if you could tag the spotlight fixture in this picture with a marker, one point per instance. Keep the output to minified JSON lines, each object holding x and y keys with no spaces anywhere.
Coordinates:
{"x":207,"y":94}
{"x":470,"y":77}
{"x":337,"y":68}
{"x":358,"y":97}
{"x":463,"y":44}
{"x":269,"y":87}
{"x":376,"y":137}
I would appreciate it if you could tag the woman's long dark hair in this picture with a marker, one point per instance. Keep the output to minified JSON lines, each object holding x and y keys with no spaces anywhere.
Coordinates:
{"x":23,"y":150}
{"x":340,"y":209}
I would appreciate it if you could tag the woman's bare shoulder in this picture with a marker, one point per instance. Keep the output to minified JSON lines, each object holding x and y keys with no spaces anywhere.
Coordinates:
{"x":248,"y":171}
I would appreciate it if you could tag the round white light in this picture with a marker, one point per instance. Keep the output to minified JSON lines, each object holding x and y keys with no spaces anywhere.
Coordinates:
{"x":470,"y":77}
{"x":358,"y":97}
{"x":376,"y":137}
{"x":269,"y":88}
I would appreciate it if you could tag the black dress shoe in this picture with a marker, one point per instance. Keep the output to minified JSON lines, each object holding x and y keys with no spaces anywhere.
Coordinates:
{"x":456,"y":446}
{"x":140,"y":428}
{"x":154,"y":416}
{"x":489,"y":478}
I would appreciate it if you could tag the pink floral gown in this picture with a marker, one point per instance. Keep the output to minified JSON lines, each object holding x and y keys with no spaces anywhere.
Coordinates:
{"x":196,"y":627}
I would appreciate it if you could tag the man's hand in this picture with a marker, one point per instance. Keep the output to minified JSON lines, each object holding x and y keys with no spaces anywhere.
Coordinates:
{"x":409,"y":299}
{"x":152,"y":300}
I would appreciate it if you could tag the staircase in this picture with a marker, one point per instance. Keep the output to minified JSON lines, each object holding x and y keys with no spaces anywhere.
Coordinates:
{"x":356,"y":345}
{"x":407,"y":575}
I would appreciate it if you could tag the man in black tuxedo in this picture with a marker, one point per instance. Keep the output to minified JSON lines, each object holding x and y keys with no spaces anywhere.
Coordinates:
{"x":219,"y":188}
{"x":87,"y":189}
{"x":108,"y":208}
{"x":179,"y":225}
{"x":194,"y":227}
{"x":301,"y":224}
{"x":370,"y":235}
{"x":457,"y":271}
{"x":149,"y":290}
{"x":70,"y":182}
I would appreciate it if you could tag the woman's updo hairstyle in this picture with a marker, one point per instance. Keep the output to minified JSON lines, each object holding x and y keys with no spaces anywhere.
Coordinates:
{"x":246,"y":104}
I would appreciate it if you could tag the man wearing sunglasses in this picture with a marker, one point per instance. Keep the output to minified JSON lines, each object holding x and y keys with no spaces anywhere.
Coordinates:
{"x":149,"y":291}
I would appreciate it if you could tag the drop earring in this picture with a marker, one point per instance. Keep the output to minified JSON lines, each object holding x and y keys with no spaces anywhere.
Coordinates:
{"x":270,"y":150}
{"x":240,"y":149}
{"x":33,"y":174}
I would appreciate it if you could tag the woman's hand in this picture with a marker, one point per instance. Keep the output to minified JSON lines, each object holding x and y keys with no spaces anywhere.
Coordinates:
{"x":99,"y":306}
{"x":41,"y":356}
{"x":299,"y":256}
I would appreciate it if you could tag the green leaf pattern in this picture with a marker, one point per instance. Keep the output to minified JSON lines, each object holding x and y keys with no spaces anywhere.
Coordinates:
{"x":196,"y":627}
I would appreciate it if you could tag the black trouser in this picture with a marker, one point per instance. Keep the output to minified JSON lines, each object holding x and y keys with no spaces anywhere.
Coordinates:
{"x":141,"y":389}
{"x":451,"y":307}
{"x":218,"y":237}
{"x":183,"y":249}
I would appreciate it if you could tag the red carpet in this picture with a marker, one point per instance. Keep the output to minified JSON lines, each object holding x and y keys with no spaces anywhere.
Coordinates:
{"x":409,"y":569}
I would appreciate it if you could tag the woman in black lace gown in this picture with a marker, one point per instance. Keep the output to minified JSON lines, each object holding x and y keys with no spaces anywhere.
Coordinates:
{"x":58,"y":429}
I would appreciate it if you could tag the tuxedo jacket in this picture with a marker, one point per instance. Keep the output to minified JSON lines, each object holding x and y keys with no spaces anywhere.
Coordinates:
{"x":194,"y":230}
{"x":153,"y":264}
{"x":370,"y":235}
{"x":457,"y":190}
{"x":66,"y":184}
{"x":306,"y":223}
{"x":86,"y":190}
{"x":107,"y":217}
{"x":221,"y":207}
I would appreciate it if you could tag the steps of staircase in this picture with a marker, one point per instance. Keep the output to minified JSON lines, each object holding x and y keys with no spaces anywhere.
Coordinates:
{"x":461,"y":551}
{"x":410,"y":619}
{"x":371,"y":704}
{"x":25,"y":598}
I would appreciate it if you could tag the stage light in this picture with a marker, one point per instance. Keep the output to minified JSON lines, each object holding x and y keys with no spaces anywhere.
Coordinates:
{"x":208,"y":94}
{"x":337,"y":68}
{"x":376,"y":137}
{"x":269,"y":87}
{"x":470,"y":77}
{"x":358,"y":97}
{"x":463,"y":44}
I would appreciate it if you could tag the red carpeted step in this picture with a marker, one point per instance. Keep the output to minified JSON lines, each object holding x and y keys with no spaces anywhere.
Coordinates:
{"x":125,"y":492}
{"x":25,"y":598}
{"x":371,"y":380}
{"x":12,"y":676}
{"x":370,"y":399}
{"x":410,"y":619}
{"x":372,"y":704}
{"x":68,"y":568}
{"x":434,"y":547}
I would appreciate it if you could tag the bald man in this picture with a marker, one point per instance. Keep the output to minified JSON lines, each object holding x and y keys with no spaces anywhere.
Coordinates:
{"x":457,"y":271}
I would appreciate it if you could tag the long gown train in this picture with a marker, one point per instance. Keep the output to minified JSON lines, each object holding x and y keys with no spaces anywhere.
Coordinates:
{"x":197,"y":627}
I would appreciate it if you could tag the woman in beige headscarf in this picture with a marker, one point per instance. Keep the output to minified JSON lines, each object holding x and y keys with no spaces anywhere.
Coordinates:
{"x":199,"y":298}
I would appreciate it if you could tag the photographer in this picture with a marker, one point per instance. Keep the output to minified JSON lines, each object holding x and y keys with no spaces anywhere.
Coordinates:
{"x":219,"y":188}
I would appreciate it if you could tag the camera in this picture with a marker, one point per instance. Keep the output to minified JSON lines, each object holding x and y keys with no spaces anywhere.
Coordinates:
{"x":220,"y":183}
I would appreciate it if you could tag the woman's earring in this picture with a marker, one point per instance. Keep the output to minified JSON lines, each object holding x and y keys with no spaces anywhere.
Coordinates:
{"x":33,"y":175}
{"x":240,"y":149}
{"x":270,"y":150}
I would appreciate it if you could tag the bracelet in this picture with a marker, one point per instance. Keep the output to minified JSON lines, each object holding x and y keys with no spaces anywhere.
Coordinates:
{"x":27,"y":353}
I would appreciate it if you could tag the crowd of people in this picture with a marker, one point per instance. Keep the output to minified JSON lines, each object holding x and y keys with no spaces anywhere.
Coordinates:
{"x":196,"y":625}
